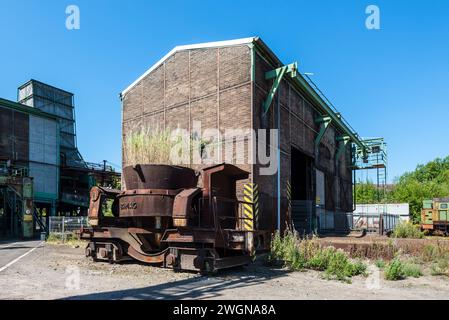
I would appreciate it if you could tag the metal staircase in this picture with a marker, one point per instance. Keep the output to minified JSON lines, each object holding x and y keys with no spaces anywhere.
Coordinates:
{"x":302,"y":216}
{"x":14,"y":202}
{"x":39,"y":221}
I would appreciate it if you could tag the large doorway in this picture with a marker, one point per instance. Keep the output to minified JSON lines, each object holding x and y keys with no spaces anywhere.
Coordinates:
{"x":302,"y":191}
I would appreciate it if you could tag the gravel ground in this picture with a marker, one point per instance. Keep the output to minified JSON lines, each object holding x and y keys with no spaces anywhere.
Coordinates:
{"x":62,"y":272}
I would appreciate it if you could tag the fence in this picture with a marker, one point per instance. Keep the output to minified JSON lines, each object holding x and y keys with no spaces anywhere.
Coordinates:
{"x":64,"y":227}
{"x":373,"y":223}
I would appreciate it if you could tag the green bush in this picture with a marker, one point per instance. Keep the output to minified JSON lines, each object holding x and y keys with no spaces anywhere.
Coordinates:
{"x":283,"y":248}
{"x":394,"y":270}
{"x":397,"y":270}
{"x":298,"y":261}
{"x":320,"y":259}
{"x":341,"y":268}
{"x":405,"y":229}
{"x":412,"y":270}
{"x":307,"y":254}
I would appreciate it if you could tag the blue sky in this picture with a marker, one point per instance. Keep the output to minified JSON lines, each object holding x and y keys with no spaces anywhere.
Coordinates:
{"x":392,"y":82}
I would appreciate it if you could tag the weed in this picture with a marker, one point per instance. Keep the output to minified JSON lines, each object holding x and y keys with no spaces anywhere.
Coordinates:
{"x":341,"y":268}
{"x":440,"y":267}
{"x":398,"y":269}
{"x":70,"y":240}
{"x":394,"y":270}
{"x":405,"y":229}
{"x":380,"y":264}
{"x":412,"y":270}
{"x":433,"y":252}
{"x":320,"y":259}
{"x":307,"y":254}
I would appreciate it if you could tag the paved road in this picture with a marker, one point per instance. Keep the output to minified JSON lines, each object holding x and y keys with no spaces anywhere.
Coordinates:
{"x":13,"y":251}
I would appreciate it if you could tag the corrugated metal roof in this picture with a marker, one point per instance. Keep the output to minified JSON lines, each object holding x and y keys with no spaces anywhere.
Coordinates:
{"x":214,"y":44}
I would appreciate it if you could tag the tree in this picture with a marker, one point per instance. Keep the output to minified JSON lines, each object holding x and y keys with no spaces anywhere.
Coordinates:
{"x":426,"y":182}
{"x":366,"y":193}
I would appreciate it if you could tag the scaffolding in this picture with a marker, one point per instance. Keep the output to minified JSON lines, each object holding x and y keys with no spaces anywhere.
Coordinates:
{"x":374,"y":162}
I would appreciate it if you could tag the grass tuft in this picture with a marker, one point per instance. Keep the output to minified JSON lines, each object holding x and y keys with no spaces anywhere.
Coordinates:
{"x":405,"y":229}
{"x":70,"y":240}
{"x":307,"y":254}
{"x":394,"y":270}
{"x":380,"y":264}
{"x":440,"y":267}
{"x":398,"y":270}
{"x":146,"y":145}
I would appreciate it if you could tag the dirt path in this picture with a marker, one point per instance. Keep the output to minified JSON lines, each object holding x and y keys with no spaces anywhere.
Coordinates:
{"x":57,"y":272}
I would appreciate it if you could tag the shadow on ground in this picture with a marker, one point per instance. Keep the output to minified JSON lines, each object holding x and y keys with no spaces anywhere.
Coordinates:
{"x":7,"y":241}
{"x":201,"y":287}
{"x":17,"y":247}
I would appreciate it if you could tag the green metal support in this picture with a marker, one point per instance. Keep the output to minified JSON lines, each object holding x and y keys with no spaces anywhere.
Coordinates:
{"x":277,"y":75}
{"x":324,"y":124}
{"x":344,"y":140}
{"x":336,"y":117}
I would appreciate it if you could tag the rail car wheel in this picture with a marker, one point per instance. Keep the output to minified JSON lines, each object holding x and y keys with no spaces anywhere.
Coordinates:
{"x":208,"y":268}
{"x":105,"y":251}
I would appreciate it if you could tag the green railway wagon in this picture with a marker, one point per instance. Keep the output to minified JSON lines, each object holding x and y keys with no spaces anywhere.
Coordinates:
{"x":427,"y":204}
{"x":435,"y":215}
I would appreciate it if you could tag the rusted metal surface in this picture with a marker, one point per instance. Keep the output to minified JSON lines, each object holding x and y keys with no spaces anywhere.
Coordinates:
{"x":159,"y":177}
{"x":163,"y":218}
{"x":183,"y":207}
{"x":146,"y":204}
{"x":97,"y":197}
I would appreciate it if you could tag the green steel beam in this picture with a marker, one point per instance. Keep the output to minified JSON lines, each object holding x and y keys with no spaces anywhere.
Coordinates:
{"x":336,"y":118}
{"x":324,"y":124}
{"x":290,"y":69}
{"x":301,"y":84}
{"x":277,"y":75}
{"x":343,"y":142}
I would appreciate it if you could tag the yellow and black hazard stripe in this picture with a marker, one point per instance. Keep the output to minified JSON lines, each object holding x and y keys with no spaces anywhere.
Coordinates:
{"x":289,"y":202}
{"x":289,"y":195}
{"x":251,"y":205}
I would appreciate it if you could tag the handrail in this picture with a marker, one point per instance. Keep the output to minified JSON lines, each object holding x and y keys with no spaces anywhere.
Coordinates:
{"x":39,"y":221}
{"x":236,"y":217}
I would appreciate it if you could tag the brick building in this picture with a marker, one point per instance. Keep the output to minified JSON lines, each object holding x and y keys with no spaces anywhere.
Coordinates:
{"x":241,"y":84}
